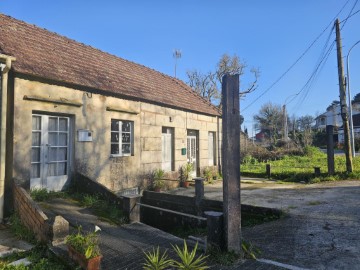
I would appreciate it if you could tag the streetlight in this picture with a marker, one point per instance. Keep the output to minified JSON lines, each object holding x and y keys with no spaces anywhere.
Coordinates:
{"x":352,"y":139}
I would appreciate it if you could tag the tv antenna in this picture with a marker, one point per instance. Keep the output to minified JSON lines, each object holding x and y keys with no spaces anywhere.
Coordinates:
{"x":176,"y":55}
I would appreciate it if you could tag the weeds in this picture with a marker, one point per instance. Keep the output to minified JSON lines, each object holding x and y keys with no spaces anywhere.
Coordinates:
{"x":40,"y":259}
{"x":19,"y":230}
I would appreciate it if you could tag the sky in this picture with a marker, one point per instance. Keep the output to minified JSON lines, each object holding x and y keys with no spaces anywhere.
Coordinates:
{"x":277,"y":37}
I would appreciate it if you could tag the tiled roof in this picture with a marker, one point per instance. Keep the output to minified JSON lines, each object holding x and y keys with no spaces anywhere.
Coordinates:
{"x":48,"y":55}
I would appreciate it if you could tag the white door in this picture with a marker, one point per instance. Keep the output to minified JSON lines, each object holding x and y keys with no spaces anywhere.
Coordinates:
{"x":50,"y":152}
{"x":211,"y":148}
{"x":192,"y":153}
{"x":166,"y":151}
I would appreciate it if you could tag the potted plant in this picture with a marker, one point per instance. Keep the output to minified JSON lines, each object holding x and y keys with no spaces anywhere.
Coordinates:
{"x":185,"y":174}
{"x":158,"y":182}
{"x":84,"y":249}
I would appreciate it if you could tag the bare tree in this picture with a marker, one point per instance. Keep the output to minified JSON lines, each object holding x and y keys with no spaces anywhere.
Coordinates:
{"x":209,"y":85}
{"x":203,"y":84}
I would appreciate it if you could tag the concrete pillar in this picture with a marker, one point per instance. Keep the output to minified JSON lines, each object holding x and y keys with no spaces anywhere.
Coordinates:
{"x":231,"y":162}
{"x":330,"y":149}
{"x":131,"y":208}
{"x":215,"y":236}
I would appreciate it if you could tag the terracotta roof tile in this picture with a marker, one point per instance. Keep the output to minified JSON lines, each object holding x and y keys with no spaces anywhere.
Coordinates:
{"x":48,"y":55}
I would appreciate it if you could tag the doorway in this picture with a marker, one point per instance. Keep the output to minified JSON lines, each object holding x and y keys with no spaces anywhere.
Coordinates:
{"x":50,"y":152}
{"x":193,"y":150}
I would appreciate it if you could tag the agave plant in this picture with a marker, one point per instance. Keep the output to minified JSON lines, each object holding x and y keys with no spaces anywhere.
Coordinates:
{"x":153,"y":260}
{"x":188,"y":261}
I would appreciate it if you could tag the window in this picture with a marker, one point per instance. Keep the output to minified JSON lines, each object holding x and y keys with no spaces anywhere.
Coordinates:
{"x":122,"y":138}
{"x":211,"y":148}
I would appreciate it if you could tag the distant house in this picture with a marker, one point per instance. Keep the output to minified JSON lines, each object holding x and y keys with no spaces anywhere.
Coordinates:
{"x":68,"y":107}
{"x":356,"y":125}
{"x":332,"y":116}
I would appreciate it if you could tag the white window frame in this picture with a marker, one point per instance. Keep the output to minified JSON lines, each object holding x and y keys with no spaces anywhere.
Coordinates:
{"x":120,"y":133}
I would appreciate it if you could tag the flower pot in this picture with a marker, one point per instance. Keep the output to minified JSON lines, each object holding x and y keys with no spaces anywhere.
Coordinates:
{"x":88,"y":264}
{"x":185,"y":184}
{"x":157,"y":189}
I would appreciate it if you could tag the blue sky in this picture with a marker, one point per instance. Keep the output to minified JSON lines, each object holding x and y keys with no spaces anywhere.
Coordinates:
{"x":269,"y":35}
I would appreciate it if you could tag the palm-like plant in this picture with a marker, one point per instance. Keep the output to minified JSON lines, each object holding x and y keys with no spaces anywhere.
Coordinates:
{"x":188,"y":259}
{"x":154,"y":261}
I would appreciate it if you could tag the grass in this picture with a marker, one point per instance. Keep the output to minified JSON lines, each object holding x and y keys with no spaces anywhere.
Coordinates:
{"x":301,"y":168}
{"x":40,"y":257}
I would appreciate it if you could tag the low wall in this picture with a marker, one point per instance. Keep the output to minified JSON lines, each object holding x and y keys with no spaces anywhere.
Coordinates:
{"x":31,"y":215}
{"x":84,"y":184}
{"x":164,"y":216}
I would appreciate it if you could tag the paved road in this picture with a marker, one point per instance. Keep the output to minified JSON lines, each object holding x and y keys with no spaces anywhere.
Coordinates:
{"x":321,"y":231}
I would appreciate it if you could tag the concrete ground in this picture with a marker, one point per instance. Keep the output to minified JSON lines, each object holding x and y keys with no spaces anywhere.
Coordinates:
{"x":321,"y":230}
{"x":122,"y":247}
{"x":9,"y":243}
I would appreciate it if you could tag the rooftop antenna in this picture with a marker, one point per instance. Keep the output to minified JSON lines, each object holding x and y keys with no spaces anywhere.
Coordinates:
{"x":176,"y":55}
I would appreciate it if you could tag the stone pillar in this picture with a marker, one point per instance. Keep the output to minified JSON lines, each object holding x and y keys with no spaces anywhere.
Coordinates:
{"x":60,"y":229}
{"x":215,"y":237}
{"x":231,"y":162}
{"x":199,"y":194}
{"x":199,"y":190}
{"x":131,"y":208}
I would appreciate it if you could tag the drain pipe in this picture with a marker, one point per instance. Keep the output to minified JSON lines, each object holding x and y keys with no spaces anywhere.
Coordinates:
{"x":4,"y":89}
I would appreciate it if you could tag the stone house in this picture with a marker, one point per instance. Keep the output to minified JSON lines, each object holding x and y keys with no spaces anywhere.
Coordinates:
{"x":67,"y":107}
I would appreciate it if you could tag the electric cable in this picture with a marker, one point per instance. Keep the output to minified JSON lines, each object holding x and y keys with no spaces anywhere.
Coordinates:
{"x":297,"y":60}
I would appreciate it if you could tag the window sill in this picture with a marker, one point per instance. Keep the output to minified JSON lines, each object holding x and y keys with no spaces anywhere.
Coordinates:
{"x":116,"y":156}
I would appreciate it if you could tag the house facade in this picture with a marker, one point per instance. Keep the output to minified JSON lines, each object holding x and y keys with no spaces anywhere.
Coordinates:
{"x":332,"y":116}
{"x":71,"y":108}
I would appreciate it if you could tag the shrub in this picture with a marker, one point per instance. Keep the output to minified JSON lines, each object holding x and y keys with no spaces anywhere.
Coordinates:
{"x":84,"y":243}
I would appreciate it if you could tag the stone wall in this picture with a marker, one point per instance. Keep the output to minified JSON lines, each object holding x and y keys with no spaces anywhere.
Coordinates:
{"x":93,"y":159}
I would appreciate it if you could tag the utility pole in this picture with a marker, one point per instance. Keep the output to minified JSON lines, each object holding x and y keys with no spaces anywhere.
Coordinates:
{"x":285,"y":124}
{"x":343,"y":106}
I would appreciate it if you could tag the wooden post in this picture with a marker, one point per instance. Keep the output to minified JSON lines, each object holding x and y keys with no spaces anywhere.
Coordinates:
{"x":330,"y":149}
{"x":343,"y":105}
{"x":231,"y":162}
{"x":268,"y":170}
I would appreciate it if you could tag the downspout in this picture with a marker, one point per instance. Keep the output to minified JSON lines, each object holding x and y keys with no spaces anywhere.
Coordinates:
{"x":4,"y":90}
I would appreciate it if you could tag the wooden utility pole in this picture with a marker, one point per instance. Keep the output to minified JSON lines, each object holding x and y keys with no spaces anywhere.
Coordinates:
{"x":343,"y":105}
{"x":231,"y":162}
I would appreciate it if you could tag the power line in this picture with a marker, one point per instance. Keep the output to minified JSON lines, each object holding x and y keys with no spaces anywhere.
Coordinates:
{"x":356,"y":1}
{"x":321,"y":63}
{"x":297,"y":60}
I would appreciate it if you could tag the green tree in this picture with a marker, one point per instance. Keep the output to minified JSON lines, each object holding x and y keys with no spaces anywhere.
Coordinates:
{"x":270,"y":118}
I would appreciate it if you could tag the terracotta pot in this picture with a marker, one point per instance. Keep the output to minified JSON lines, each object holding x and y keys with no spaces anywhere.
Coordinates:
{"x":88,"y":264}
{"x":185,"y":184}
